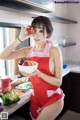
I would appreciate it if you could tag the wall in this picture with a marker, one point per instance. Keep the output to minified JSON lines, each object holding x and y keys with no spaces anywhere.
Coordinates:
{"x":60,"y":30}
{"x":14,"y":16}
{"x":72,"y":53}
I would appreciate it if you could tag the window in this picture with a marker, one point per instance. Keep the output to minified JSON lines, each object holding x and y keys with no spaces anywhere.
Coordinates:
{"x":8,"y":36}
{"x":2,"y":62}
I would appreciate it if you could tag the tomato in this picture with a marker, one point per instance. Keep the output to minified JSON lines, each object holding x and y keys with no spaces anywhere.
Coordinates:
{"x":30,"y":30}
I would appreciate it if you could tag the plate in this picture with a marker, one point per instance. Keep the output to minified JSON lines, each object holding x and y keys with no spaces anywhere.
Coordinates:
{"x":24,"y":86}
{"x":19,"y":81}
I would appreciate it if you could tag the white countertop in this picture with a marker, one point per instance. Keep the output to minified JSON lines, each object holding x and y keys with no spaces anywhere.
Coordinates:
{"x":71,"y":68}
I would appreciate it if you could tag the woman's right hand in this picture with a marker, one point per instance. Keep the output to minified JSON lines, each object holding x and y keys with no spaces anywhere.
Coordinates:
{"x":24,"y":34}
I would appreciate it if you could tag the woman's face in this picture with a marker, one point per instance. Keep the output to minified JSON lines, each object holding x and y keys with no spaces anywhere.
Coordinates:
{"x":40,"y":34}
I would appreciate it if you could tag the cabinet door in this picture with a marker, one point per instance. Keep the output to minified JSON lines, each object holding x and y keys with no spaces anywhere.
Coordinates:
{"x":71,"y":88}
{"x":48,"y":4}
{"x":75,"y":78}
{"x":66,"y":87}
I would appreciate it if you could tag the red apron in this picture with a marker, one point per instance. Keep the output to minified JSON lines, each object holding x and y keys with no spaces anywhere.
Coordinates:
{"x":44,"y":93}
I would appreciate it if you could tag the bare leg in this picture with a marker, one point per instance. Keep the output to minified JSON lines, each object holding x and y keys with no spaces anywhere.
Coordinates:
{"x":52,"y":111}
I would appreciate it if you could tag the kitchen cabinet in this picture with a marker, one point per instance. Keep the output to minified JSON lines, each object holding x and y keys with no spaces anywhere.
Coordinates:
{"x":71,"y":88}
{"x":45,"y":6}
{"x":23,"y":112}
{"x":66,"y":89}
{"x":75,"y":78}
{"x":33,"y":9}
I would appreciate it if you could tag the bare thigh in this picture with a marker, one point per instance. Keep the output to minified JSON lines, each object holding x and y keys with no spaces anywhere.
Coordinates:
{"x":52,"y":111}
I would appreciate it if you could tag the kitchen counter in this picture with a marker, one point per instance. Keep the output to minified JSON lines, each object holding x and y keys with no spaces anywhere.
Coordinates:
{"x":71,"y":68}
{"x":26,"y":96}
{"x":23,"y":100}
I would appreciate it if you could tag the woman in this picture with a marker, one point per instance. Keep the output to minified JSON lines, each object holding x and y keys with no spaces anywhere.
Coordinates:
{"x":47,"y":97}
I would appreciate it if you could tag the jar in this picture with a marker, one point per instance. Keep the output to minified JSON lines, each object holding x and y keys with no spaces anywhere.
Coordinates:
{"x":4,"y":82}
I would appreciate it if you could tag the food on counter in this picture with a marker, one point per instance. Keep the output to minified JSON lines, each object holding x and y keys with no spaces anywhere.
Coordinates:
{"x":24,"y":86}
{"x":10,"y":98}
{"x":19,"y":81}
{"x":19,"y":92}
{"x":8,"y":89}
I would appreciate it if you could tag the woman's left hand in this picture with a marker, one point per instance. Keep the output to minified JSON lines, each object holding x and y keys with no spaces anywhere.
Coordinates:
{"x":37,"y":72}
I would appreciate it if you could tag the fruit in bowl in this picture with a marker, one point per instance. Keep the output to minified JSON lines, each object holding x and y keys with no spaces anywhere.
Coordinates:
{"x":21,"y":62}
{"x":28,"y":66}
{"x":26,"y":63}
{"x":29,"y":63}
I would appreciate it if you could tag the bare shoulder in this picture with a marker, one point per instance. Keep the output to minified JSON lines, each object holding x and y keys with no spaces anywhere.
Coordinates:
{"x":55,"y":52}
